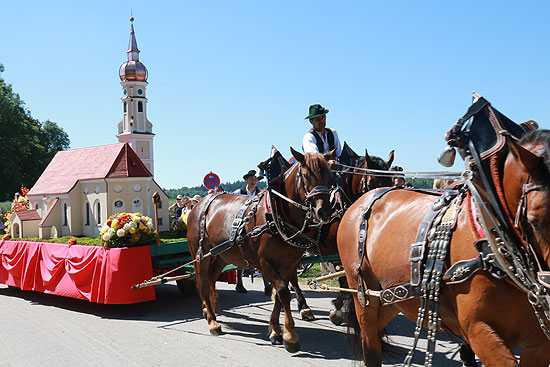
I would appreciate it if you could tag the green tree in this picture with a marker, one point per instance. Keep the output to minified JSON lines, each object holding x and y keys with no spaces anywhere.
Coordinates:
{"x":27,"y":144}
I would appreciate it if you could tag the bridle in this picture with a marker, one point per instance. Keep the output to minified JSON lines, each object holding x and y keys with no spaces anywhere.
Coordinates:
{"x":522,"y":267}
{"x":309,"y":195}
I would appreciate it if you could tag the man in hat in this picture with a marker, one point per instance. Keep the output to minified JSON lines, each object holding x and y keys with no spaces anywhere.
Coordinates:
{"x":251,"y":188}
{"x":320,"y":138}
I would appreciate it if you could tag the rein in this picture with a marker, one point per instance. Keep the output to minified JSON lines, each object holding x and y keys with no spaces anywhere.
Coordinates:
{"x":410,"y":174}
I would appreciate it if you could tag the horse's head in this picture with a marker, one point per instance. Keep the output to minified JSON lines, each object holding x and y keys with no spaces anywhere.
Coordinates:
{"x":526,"y":187}
{"x":362,"y":182}
{"x":313,"y":181}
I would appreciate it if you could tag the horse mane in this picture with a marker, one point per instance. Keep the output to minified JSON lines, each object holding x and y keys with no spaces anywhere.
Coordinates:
{"x":316,"y":164}
{"x":539,"y":136}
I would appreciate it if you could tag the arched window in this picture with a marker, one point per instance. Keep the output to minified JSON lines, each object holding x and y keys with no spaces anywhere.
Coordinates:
{"x":98,"y":212}
{"x":65,"y":216}
{"x":87,"y":214}
{"x":140,"y":106}
{"x":125,"y":107}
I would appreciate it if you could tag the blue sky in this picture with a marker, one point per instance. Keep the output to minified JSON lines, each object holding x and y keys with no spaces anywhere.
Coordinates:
{"x":227,"y":79}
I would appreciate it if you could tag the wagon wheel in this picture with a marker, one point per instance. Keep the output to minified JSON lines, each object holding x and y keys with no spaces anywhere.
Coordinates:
{"x":187,"y":287}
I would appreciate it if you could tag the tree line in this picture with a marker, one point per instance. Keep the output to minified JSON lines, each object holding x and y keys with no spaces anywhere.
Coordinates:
{"x":28,"y":145}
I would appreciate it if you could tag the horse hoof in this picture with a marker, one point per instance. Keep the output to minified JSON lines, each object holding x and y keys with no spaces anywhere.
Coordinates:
{"x":336,"y":317}
{"x":291,"y":347}
{"x":216,"y":331}
{"x":307,"y":315}
{"x":276,"y":340}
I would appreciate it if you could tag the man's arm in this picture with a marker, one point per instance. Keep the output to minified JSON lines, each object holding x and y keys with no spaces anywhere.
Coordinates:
{"x":309,"y":144}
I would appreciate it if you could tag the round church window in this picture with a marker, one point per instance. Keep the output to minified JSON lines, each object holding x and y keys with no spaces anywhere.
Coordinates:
{"x":137,"y":187}
{"x":117,"y":188}
{"x":119,"y":204}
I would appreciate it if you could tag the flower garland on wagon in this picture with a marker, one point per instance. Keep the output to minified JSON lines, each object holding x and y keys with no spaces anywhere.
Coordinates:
{"x":20,"y":203}
{"x":127,"y":230}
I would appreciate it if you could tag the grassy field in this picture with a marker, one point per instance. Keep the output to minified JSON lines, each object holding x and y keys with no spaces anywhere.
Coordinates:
{"x":314,"y":272}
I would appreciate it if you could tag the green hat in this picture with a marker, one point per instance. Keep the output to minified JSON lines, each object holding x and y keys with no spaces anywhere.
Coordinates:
{"x":316,"y":110}
{"x":251,"y":173}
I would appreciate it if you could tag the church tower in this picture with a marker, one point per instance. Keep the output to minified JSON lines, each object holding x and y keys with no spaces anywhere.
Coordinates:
{"x":134,"y":128}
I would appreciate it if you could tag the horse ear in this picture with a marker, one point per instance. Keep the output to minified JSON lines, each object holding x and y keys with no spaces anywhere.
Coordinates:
{"x":530,"y":161}
{"x":299,"y":156}
{"x":330,"y":155}
{"x":390,"y":159}
{"x":368,"y":161}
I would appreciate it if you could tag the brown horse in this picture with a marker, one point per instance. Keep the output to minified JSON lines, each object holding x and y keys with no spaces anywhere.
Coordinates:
{"x":268,"y":245}
{"x":493,"y":315}
{"x":354,"y":183}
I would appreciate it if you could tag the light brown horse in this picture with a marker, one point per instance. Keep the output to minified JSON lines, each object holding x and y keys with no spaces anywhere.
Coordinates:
{"x":307,"y":185}
{"x":354,"y":183}
{"x":492,"y":314}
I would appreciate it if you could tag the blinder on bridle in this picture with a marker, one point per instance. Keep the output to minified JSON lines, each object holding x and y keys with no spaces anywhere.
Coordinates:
{"x":527,"y":228}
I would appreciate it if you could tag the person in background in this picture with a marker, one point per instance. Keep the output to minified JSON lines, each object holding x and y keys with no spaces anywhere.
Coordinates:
{"x":399,"y":179}
{"x":195,"y":200}
{"x":177,"y":209}
{"x":320,"y":138}
{"x":250,"y":189}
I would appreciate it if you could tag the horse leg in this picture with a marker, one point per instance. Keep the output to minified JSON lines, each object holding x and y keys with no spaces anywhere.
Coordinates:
{"x":370,"y":339}
{"x":290,"y":338}
{"x":489,"y":347}
{"x":305,"y":311}
{"x":206,"y":274}
{"x":275,"y":334}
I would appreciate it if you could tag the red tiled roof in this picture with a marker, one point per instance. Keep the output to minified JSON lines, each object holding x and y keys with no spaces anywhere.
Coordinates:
{"x":69,"y":166}
{"x":128,"y":164}
{"x":25,"y":215}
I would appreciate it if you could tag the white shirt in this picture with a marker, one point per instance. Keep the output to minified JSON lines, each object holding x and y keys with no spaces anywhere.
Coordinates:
{"x":248,"y":193}
{"x":309,"y":143}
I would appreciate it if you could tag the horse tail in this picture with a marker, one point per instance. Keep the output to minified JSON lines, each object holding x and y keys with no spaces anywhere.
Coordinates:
{"x":353,"y":334}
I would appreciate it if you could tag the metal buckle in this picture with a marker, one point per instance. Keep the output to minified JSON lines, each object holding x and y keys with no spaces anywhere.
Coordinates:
{"x":421,"y":255}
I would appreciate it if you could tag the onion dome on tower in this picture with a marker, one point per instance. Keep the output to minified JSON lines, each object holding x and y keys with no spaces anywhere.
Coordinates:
{"x":133,"y":69}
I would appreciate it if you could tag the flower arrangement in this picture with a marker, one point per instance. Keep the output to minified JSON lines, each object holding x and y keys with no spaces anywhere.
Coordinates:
{"x":127,"y":230}
{"x":22,"y":203}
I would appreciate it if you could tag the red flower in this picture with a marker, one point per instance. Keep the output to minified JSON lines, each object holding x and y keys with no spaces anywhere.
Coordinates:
{"x":6,"y":237}
{"x":72,"y":241}
{"x":24,"y":190}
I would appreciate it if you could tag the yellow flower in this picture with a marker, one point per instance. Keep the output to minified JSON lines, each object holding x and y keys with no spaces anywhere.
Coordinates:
{"x":132,"y":230}
{"x":142,"y":227}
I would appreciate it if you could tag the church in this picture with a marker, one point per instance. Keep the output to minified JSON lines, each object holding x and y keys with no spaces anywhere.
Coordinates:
{"x":81,"y":188}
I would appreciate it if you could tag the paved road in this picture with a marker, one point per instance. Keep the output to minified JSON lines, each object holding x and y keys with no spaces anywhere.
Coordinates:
{"x":46,"y":330}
